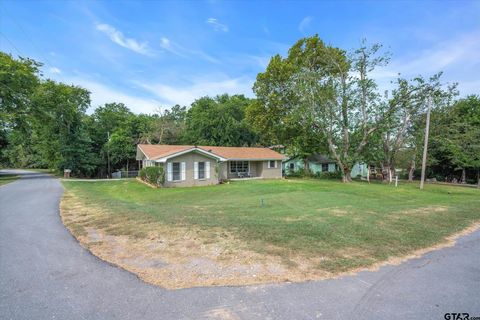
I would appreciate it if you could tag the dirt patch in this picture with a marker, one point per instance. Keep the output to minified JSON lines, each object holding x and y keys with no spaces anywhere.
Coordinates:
{"x":425,"y":210}
{"x":180,"y":257}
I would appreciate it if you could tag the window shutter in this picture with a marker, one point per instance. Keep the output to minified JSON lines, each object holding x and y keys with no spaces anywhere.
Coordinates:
{"x":169,"y":171}
{"x":183,"y":170}
{"x":268,"y":164}
{"x":207,"y":170}
{"x":276,"y":163}
{"x":195,"y":170}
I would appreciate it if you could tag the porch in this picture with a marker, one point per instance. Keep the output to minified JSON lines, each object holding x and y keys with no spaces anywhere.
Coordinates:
{"x":240,"y":170}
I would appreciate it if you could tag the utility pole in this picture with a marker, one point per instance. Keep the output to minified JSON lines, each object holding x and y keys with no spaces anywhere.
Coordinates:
{"x":108,"y":154}
{"x":425,"y":144}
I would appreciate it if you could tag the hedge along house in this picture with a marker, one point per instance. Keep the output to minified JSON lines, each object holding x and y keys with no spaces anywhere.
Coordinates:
{"x":187,"y":166}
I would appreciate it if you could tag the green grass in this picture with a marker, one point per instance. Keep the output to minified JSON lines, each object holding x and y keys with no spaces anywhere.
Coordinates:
{"x":7,"y":178}
{"x":350,"y":225}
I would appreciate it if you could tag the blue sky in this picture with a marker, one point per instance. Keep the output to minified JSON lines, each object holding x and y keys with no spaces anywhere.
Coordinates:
{"x":154,"y":54}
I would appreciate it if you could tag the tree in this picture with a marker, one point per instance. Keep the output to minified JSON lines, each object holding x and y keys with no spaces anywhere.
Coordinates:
{"x":455,"y":140}
{"x":410,"y":98}
{"x":168,"y":127}
{"x":58,"y":121}
{"x":18,"y":80}
{"x":330,"y":92}
{"x":121,"y":148}
{"x":104,"y":122}
{"x":219,"y":121}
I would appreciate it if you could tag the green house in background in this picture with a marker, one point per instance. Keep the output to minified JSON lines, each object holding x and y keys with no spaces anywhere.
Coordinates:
{"x":317,"y":163}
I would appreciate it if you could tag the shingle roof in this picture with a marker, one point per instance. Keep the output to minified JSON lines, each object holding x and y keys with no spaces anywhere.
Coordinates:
{"x":319,"y":158}
{"x":156,"y":151}
{"x":316,"y":158}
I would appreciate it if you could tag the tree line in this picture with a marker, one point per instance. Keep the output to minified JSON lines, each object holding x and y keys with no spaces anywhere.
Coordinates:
{"x":317,"y":99}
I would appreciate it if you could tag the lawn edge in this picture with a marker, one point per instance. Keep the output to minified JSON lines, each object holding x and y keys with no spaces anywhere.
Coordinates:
{"x":15,"y":179}
{"x":448,"y":241}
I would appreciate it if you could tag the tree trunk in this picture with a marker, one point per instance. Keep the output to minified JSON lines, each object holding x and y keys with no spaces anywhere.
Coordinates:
{"x":306,"y":166}
{"x":411,"y":169}
{"x":386,"y":173}
{"x":464,"y":178}
{"x":478,"y":178}
{"x":347,"y":177}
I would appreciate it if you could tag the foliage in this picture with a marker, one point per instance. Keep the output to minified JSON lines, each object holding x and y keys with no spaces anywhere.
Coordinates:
{"x":454,"y":139}
{"x":153,"y":175}
{"x":168,"y":127}
{"x":318,"y":99}
{"x":219,"y":121}
{"x":302,"y":173}
{"x":18,"y":80}
{"x":329,"y":175}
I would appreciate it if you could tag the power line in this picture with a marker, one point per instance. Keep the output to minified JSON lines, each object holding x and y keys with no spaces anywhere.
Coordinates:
{"x":30,"y":39}
{"x":11,"y":43}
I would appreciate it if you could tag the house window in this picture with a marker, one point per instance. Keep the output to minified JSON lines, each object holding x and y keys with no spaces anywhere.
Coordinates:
{"x":201,"y":170}
{"x":324,"y":167}
{"x":272,"y":164}
{"x":292,"y":166}
{"x":238,"y":166}
{"x":176,"y":172}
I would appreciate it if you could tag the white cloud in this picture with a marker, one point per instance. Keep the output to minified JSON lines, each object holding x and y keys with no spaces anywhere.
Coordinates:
{"x":462,"y":50}
{"x":185,"y":94}
{"x":101,"y":94}
{"x":55,"y":70}
{"x":457,"y":57}
{"x":304,"y":23}
{"x":117,"y":37}
{"x":217,"y":26}
{"x":183,"y":52}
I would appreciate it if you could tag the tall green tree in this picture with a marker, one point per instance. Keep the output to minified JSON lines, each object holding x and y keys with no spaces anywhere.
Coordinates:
{"x":219,"y":121}
{"x":18,"y":80}
{"x":456,"y":136}
{"x":168,"y":126}
{"x":63,"y":141}
{"x":275,"y":115}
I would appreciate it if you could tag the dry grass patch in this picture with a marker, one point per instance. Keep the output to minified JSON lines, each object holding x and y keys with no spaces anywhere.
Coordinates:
{"x":177,"y":257}
{"x":224,"y":235}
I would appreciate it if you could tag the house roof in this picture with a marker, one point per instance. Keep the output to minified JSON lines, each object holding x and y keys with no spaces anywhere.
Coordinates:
{"x":158,"y":151}
{"x":316,"y":158}
{"x":319,"y":158}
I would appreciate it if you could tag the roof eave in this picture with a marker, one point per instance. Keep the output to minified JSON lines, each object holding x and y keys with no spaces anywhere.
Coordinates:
{"x":179,"y":153}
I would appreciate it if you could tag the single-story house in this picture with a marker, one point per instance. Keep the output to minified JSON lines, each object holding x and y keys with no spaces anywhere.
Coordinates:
{"x":205,"y":165}
{"x":316,"y":163}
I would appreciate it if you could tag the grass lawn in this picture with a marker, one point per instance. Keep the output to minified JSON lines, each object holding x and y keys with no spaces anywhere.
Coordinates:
{"x":337,"y":227}
{"x":7,"y":178}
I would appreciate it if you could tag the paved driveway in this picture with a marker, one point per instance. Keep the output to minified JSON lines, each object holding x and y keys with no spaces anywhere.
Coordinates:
{"x":45,"y":274}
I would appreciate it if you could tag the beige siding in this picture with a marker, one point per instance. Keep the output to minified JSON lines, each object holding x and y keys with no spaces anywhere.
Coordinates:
{"x":223,"y":171}
{"x":189,"y":181}
{"x":271,"y":173}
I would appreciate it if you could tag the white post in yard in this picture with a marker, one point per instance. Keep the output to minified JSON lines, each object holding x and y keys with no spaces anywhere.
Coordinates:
{"x":396,"y":181}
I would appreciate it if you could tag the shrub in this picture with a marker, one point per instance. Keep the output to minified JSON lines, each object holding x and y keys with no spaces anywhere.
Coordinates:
{"x":329,"y":175}
{"x":153,"y":175}
{"x":143,"y":174}
{"x":299,"y":173}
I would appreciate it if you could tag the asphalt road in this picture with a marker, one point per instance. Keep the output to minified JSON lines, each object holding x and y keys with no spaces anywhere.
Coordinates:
{"x":46,"y":274}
